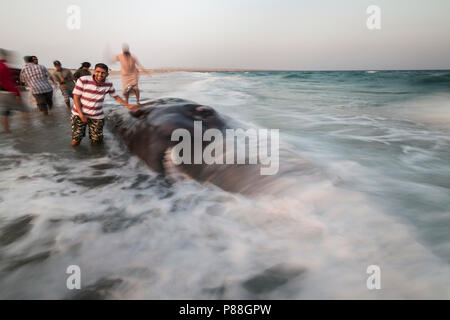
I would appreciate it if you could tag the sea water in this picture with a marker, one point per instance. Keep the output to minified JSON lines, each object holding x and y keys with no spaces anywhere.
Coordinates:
{"x":381,"y":139}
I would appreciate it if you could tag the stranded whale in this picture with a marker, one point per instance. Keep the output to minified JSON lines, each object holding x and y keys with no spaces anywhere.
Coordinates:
{"x":164,"y":133}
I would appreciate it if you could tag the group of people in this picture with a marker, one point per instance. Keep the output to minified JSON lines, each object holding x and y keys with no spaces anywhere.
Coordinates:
{"x":87,"y":91}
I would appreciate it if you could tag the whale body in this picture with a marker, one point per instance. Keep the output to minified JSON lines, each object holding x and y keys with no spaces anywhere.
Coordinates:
{"x":147,"y":133}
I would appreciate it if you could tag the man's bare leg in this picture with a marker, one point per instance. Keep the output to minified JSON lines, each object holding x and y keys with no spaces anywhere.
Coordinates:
{"x":136,"y":92}
{"x":126,"y":95}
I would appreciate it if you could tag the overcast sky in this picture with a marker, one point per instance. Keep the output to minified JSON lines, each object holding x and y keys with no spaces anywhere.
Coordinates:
{"x":257,"y":34}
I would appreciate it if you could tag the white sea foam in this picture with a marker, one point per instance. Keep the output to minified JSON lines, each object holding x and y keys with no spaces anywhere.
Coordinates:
{"x":380,"y":203}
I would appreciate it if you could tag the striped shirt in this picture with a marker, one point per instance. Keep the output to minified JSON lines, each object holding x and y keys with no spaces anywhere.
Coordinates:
{"x":92,"y":96}
{"x":36,"y":77}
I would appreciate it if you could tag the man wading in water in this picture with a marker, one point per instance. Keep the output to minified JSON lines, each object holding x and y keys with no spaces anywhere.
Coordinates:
{"x":66,"y":81}
{"x":82,"y":71}
{"x":129,"y":69}
{"x":88,"y":96}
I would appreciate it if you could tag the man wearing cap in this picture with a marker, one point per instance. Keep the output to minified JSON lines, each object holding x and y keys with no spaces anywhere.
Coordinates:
{"x":66,"y":82}
{"x":82,"y":71}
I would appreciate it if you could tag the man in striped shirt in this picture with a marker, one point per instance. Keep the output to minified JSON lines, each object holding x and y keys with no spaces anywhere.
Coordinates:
{"x":88,"y":96}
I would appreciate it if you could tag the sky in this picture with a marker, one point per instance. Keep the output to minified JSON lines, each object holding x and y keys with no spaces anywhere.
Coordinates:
{"x":250,"y":34}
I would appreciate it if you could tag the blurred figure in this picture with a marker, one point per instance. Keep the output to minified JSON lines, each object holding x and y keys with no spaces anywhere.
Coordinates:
{"x":129,"y":69}
{"x":66,"y":81}
{"x":36,"y":77}
{"x":82,"y":71}
{"x":31,"y":99}
{"x":10,"y":98}
{"x":34,"y":59}
{"x":89,"y":93}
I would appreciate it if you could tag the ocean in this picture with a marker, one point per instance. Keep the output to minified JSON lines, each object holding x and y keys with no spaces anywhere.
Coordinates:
{"x":381,"y":140}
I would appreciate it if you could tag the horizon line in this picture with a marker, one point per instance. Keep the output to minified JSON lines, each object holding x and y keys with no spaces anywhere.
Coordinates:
{"x":175,"y":69}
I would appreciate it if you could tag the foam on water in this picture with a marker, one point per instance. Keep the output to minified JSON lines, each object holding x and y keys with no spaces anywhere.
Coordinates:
{"x":139,"y":235}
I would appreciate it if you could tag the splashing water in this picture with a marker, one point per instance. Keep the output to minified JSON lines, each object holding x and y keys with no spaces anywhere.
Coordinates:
{"x":383,"y":198}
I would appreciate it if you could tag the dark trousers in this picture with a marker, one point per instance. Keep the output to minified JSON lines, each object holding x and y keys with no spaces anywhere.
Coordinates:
{"x":44,"y":100}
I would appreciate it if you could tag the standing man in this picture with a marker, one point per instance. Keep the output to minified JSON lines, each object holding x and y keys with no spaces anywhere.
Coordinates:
{"x":9,"y":94}
{"x":129,"y":69}
{"x":36,"y":77}
{"x":82,"y":71}
{"x":66,"y":82}
{"x":31,"y":99}
{"x":89,"y":93}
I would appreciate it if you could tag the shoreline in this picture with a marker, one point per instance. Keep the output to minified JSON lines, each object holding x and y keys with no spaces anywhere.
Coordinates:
{"x":169,"y":70}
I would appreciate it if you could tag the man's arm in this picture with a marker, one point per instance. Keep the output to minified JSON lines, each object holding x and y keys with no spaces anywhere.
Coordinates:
{"x":129,"y":106}
{"x":140,"y":66}
{"x":22,"y":77}
{"x":49,"y":76}
{"x":77,"y":101}
{"x":112,"y":93}
{"x":57,"y":77}
{"x":77,"y":92}
{"x":71,"y":77}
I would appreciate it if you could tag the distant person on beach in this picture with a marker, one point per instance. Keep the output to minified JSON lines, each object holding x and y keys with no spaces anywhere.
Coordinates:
{"x":82,"y":71}
{"x":129,"y":66}
{"x":66,"y":81}
{"x":36,"y":77}
{"x":10,"y":98}
{"x":89,"y":93}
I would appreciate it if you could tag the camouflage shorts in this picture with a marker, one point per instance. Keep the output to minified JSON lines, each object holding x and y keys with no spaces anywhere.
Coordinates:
{"x":95,"y":129}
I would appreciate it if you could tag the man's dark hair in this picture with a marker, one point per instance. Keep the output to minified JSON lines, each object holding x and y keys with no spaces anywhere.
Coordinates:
{"x":85,"y":64}
{"x":28,"y":58}
{"x":101,"y":65}
{"x":56,"y":63}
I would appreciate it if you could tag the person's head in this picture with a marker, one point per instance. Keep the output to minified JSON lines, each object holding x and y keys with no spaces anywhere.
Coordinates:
{"x":100,"y":72}
{"x":125,"y":48}
{"x":85,"y":65}
{"x":57,"y":65}
{"x":34,"y":59}
{"x":28,"y":59}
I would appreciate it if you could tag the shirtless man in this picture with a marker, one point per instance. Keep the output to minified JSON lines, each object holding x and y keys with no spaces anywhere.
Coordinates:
{"x":129,"y":66}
